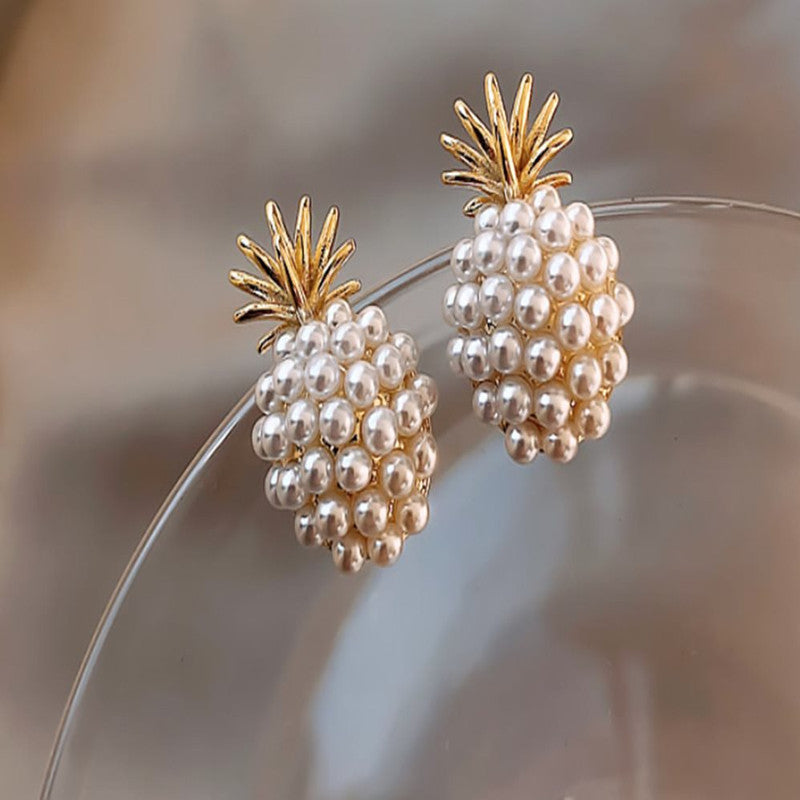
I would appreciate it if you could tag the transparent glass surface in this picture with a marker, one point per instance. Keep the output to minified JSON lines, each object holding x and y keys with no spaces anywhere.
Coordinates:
{"x":625,"y":626}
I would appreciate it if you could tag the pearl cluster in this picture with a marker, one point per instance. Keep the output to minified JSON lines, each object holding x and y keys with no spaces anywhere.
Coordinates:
{"x":347,"y":426}
{"x":539,"y":313}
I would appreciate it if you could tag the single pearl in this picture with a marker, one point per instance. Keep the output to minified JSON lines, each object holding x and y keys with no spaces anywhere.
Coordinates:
{"x":361,"y":384}
{"x":284,"y":344}
{"x":316,"y":470}
{"x":522,"y":442}
{"x":592,"y":418}
{"x":348,"y":342}
{"x":373,"y":321}
{"x":487,"y":218}
{"x":484,"y":403}
{"x":287,"y":378}
{"x":266,"y":397}
{"x":516,"y":217}
{"x":573,"y":326}
{"x":353,"y":469}
{"x":584,"y":376}
{"x":379,"y":430}
{"x":514,"y":399}
{"x":542,"y":358}
{"x":624,"y":297}
{"x":407,"y":407}
{"x":475,"y":358}
{"x":301,"y":421}
{"x":605,"y":315}
{"x":337,"y":421}
{"x":612,"y":252}
{"x":349,"y":553}
{"x":593,"y":262}
{"x":397,"y":474}
{"x":312,"y":338}
{"x":412,"y":513}
{"x":505,"y":350}
{"x":523,"y":258}
{"x":389,"y":363}
{"x":255,"y":437}
{"x":371,"y":512}
{"x":487,"y":252}
{"x":384,"y":550}
{"x":305,"y":528}
{"x":544,"y":198}
{"x":562,"y":275}
{"x":561,"y":445}
{"x":467,"y":309}
{"x":531,"y":307}
{"x":449,"y":305}
{"x":409,"y":352}
{"x":274,"y":441}
{"x":496,"y":297}
{"x":455,"y":347}
{"x":552,"y":406}
{"x":337,"y":312}
{"x":552,"y":229}
{"x":271,"y":485}
{"x":322,"y":376}
{"x":290,"y":491}
{"x":426,"y":388}
{"x":582,"y":219}
{"x":424,"y":454}
{"x":614,"y":362}
{"x":461,"y":261}
{"x":332,"y":516}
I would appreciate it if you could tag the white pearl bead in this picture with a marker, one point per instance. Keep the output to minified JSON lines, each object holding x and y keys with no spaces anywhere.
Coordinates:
{"x":614,"y":362}
{"x":361,"y":384}
{"x":531,"y":307}
{"x":573,"y":326}
{"x":284,"y":344}
{"x":582,"y":219}
{"x":274,"y":441}
{"x":312,"y":338}
{"x":287,"y":378}
{"x":605,"y":315}
{"x":409,"y":352}
{"x":349,"y":553}
{"x":348,"y":342}
{"x":389,"y":363}
{"x":424,"y":453}
{"x":496,"y":298}
{"x":337,"y":312}
{"x":505,"y":350}
{"x":412,"y":513}
{"x":523,"y":258}
{"x":592,"y":418}
{"x":266,"y":398}
{"x":384,"y":550}
{"x":593,"y":263}
{"x":542,"y":358}
{"x":305,"y":528}
{"x":255,"y":437}
{"x":561,"y":445}
{"x":337,"y":422}
{"x":301,"y":421}
{"x":397,"y":474}
{"x":475,"y":358}
{"x":544,"y":198}
{"x":271,"y":485}
{"x":449,"y":305}
{"x":428,"y":392}
{"x":332,"y":516}
{"x":552,"y":406}
{"x":516,"y":217}
{"x":562,"y":275}
{"x":612,"y":252}
{"x":522,"y":442}
{"x":291,"y":493}
{"x":514,"y":399}
{"x":379,"y":430}
{"x":353,"y":468}
{"x":484,"y":403}
{"x":584,"y":376}
{"x":371,"y":512}
{"x":455,"y":347}
{"x":316,"y":470}
{"x":624,"y":297}
{"x":461,"y":261}
{"x":552,"y":229}
{"x":407,"y":406}
{"x":322,"y":376}
{"x":373,"y":321}
{"x":487,"y":252}
{"x":487,"y":218}
{"x":467,"y":309}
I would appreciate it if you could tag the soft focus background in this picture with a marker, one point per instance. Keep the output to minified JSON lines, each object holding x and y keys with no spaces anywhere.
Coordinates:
{"x":138,"y":138}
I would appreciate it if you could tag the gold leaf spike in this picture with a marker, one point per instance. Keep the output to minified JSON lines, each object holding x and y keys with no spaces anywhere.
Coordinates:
{"x":509,"y":159}
{"x":345,"y":290}
{"x":302,"y":240}
{"x":262,"y":310}
{"x":555,"y":179}
{"x":261,"y":260}
{"x":326,"y":239}
{"x":258,"y":287}
{"x":285,"y":250}
{"x":329,"y":272}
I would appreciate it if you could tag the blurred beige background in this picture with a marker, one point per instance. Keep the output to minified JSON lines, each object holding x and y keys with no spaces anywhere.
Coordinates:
{"x":137,"y":139}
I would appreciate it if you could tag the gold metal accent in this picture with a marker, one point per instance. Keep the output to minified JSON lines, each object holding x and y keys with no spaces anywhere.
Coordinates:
{"x":296,"y":283}
{"x":509,"y":159}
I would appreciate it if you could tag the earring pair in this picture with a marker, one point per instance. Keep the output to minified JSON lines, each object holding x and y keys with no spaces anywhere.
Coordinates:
{"x":538,"y":314}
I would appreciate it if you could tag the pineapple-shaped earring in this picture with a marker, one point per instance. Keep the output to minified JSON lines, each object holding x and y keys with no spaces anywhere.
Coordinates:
{"x":346,"y":417}
{"x":537,"y":305}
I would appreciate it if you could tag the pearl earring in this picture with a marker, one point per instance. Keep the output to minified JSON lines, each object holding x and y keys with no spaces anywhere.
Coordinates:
{"x":536,"y":304}
{"x":346,"y":416}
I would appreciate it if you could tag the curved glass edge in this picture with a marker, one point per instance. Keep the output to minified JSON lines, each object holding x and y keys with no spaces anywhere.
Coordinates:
{"x":608,"y":209}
